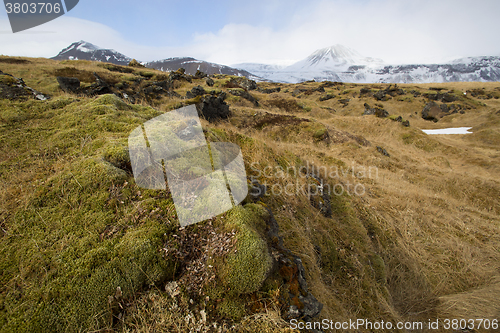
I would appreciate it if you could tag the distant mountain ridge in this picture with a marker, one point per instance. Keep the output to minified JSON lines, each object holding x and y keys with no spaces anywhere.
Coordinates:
{"x":83,"y":50}
{"x":339,"y":63}
{"x":334,"y":63}
{"x":192,"y":65}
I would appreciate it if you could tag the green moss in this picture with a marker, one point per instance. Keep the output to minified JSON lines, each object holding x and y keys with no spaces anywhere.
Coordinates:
{"x":146,"y":74}
{"x":68,"y":260}
{"x":378,"y":266}
{"x":13,"y":115}
{"x":217,"y":135}
{"x":194,"y":100}
{"x":118,"y":155}
{"x":319,"y":133}
{"x":7,"y":79}
{"x":232,"y":308}
{"x":110,"y":99}
{"x":330,"y":261}
{"x":306,"y":108}
{"x":245,"y":271}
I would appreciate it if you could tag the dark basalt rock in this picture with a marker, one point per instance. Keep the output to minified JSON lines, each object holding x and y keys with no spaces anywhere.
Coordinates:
{"x":209,"y":82}
{"x":326,"y":97}
{"x":380,"y":95}
{"x":242,"y":82}
{"x":365,"y":92}
{"x":446,"y":97}
{"x":318,"y":197}
{"x":269,"y":90}
{"x":101,"y":87}
{"x":394,"y":90}
{"x":388,"y":93}
{"x":383,"y":151}
{"x":245,"y":94}
{"x":200,"y":75}
{"x":213,"y":108}
{"x":179,"y":75}
{"x":12,"y":88}
{"x":379,"y":112}
{"x":196,"y":91}
{"x":345,"y":101}
{"x":299,"y":303}
{"x":69,"y":84}
{"x":431,"y":112}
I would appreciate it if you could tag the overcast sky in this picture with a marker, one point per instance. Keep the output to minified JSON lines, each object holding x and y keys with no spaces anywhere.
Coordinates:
{"x":268,"y":31}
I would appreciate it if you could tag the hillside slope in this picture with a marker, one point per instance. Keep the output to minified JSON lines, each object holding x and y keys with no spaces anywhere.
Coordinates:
{"x":373,"y":219}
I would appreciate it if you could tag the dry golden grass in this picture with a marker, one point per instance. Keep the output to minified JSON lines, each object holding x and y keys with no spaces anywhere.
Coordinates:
{"x":430,"y":212}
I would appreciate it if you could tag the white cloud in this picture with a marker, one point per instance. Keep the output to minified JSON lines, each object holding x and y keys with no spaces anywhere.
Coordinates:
{"x":46,"y":40}
{"x":393,"y":30}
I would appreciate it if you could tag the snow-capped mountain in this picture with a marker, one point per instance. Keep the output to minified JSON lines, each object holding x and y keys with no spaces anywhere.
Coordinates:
{"x":339,"y":63}
{"x":258,"y":68}
{"x":335,"y":63}
{"x":83,"y":50}
{"x":323,"y":64}
{"x":191,"y":65}
{"x":335,"y":58}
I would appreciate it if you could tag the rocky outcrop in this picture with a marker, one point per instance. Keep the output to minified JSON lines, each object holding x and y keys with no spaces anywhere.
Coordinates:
{"x":394,"y":90}
{"x":326,"y":97}
{"x":100,"y":87}
{"x":242,"y":82}
{"x":380,"y":96}
{"x":244,"y":94}
{"x":179,"y":74}
{"x":378,"y":112}
{"x":383,"y":151}
{"x":196,"y":91}
{"x":318,"y":197}
{"x":200,"y":75}
{"x":141,"y":88}
{"x":69,"y":84}
{"x":431,"y":112}
{"x":209,"y":82}
{"x":299,"y":302}
{"x":365,"y":92}
{"x":445,"y":98}
{"x":213,"y":108}
{"x":388,"y":93}
{"x":344,"y":101}
{"x":269,"y":90}
{"x":12,"y":88}
{"x":307,"y":91}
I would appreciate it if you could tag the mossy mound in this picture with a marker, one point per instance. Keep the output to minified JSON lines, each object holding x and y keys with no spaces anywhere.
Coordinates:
{"x":245,"y":270}
{"x":77,"y":237}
